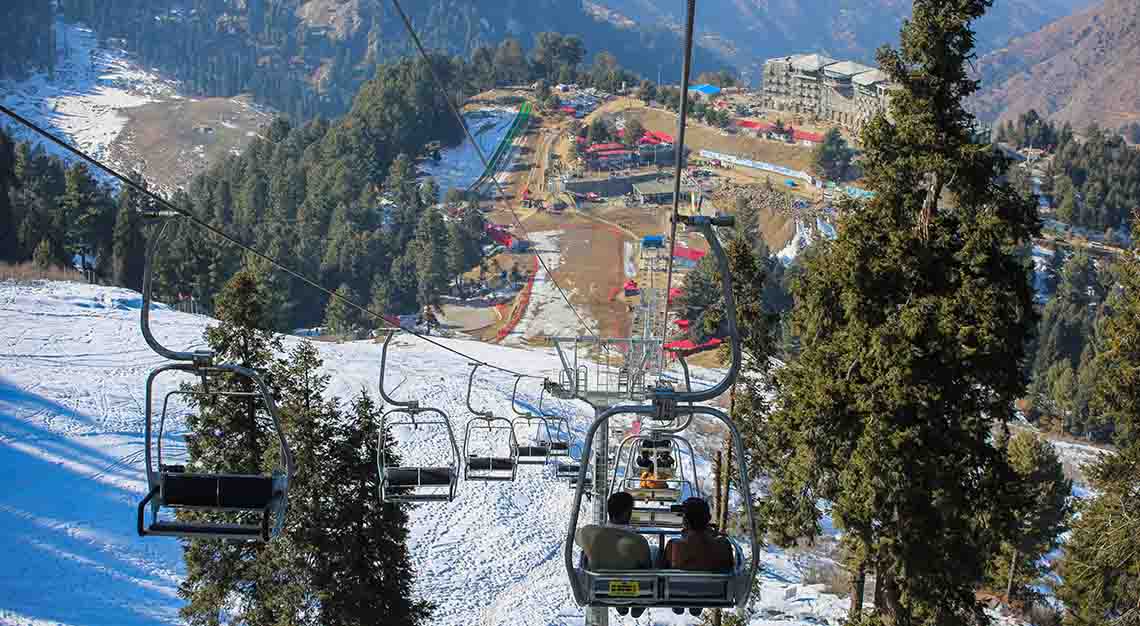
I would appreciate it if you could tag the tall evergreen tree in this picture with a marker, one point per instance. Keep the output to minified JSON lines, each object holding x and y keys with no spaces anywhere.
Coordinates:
{"x":913,"y":325}
{"x":1101,"y":567}
{"x":430,"y":248}
{"x":341,"y":320}
{"x":361,"y":565}
{"x":9,"y":244}
{"x":1040,"y":521}
{"x":232,"y":434}
{"x":128,"y":242}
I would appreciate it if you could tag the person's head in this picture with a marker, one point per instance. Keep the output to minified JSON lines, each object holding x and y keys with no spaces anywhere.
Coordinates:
{"x":695,"y":514}
{"x":620,"y":507}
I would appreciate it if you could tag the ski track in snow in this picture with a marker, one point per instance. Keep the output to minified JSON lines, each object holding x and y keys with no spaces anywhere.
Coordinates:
{"x":548,"y":314}
{"x":460,"y":166}
{"x":80,"y":102}
{"x":72,"y":369}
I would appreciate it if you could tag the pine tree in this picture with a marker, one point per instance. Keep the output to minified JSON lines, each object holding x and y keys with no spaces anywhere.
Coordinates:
{"x":913,"y":324}
{"x":430,"y":246}
{"x":341,"y":320}
{"x":361,"y":568}
{"x":129,"y":246}
{"x":9,"y":244}
{"x":232,"y":434}
{"x":1040,"y":521}
{"x":831,"y":158}
{"x":456,"y":252}
{"x":44,"y":256}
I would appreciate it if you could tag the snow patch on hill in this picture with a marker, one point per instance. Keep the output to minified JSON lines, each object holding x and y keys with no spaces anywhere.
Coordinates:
{"x":82,"y":98}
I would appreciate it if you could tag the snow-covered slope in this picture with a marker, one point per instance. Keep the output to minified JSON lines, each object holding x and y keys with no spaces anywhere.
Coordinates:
{"x":82,"y":98}
{"x":72,"y":367}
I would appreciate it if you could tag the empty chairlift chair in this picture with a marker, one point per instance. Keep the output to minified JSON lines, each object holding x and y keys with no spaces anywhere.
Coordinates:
{"x":536,"y":447}
{"x":433,"y":481}
{"x":673,"y":588}
{"x":561,"y":440}
{"x":208,"y":504}
{"x":490,"y":449}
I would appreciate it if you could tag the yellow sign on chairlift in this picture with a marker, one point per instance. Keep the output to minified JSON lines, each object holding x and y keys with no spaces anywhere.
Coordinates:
{"x":625,"y":588}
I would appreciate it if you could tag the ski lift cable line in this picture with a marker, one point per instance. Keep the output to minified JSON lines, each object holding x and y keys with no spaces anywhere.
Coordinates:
{"x":166,"y":204}
{"x":483,"y":158}
{"x":680,"y":156}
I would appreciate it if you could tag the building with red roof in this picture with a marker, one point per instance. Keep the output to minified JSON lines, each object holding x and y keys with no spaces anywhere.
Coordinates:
{"x":806,"y":137}
{"x":604,"y":147}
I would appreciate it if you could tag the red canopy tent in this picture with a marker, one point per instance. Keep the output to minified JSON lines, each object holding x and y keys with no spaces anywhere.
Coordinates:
{"x":685,"y":252}
{"x":686,"y":346}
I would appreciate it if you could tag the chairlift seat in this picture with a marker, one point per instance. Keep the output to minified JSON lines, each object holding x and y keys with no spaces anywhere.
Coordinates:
{"x":419,"y":476}
{"x":567,"y":470}
{"x":217,"y":491}
{"x":540,"y":452}
{"x":661,"y":588}
{"x":655,"y":518}
{"x":654,"y":495}
{"x":218,"y":531}
{"x":490,"y":463}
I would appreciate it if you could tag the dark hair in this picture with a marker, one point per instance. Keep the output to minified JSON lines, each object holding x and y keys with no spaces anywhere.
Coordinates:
{"x":620,"y":507}
{"x":695,"y":511}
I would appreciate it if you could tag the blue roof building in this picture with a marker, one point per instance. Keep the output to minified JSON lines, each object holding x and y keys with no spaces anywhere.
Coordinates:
{"x":708,"y":90}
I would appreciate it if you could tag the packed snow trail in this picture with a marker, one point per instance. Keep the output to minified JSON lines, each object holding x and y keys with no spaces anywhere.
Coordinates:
{"x":72,"y":371}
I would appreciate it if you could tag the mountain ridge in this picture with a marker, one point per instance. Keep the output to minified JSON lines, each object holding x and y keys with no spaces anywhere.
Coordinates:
{"x":1080,"y":69}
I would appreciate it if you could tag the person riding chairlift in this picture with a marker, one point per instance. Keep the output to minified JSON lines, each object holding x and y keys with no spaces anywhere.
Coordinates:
{"x":653,"y":477}
{"x":701,"y":548}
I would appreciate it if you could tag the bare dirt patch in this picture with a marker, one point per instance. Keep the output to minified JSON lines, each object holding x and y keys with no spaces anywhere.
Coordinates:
{"x":176,"y":139}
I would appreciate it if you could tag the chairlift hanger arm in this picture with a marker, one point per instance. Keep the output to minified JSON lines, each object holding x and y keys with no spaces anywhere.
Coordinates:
{"x":471,"y":383}
{"x":514,"y":394}
{"x":412,"y":404}
{"x":705,"y":225}
{"x":202,"y":358}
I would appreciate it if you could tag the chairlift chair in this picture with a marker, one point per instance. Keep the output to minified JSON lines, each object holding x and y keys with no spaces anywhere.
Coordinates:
{"x":537,"y":450}
{"x":421,"y":482}
{"x":560,"y":438}
{"x":251,"y":506}
{"x":489,"y":466}
{"x":672,"y":588}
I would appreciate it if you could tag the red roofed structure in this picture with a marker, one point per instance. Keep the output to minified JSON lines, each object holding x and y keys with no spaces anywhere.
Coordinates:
{"x":602,"y":147}
{"x":803,"y":135}
{"x":685,"y":252}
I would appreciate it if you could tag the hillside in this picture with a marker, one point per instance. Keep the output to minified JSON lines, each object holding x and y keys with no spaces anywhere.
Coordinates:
{"x":72,"y":369}
{"x":308,"y":57}
{"x":750,"y":31}
{"x":1080,"y":69}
